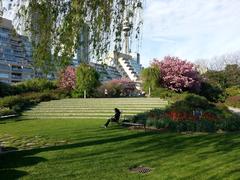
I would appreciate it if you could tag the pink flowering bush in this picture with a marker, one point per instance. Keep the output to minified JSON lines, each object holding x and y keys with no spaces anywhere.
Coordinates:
{"x":67,"y":78}
{"x":117,"y":87}
{"x":177,"y":74}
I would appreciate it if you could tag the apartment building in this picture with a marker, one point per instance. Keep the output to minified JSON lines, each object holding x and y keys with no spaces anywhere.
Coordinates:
{"x":15,"y":54}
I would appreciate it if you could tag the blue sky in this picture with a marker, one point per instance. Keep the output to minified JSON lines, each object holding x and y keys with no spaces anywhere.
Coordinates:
{"x":190,"y":29}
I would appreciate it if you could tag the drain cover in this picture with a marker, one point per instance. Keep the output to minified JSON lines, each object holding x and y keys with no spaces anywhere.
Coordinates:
{"x":141,"y":169}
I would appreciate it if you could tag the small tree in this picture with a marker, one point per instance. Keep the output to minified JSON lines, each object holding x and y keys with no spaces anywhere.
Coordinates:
{"x":151,"y":77}
{"x":67,"y":78}
{"x":232,"y":72}
{"x":87,"y":80}
{"x":228,"y":77}
{"x":177,"y":74}
{"x":216,"y":78}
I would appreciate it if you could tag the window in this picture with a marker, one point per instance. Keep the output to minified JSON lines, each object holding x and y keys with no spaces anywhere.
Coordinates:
{"x":4,"y":75}
{"x":9,"y":6}
{"x":16,"y":76}
{"x":4,"y":67}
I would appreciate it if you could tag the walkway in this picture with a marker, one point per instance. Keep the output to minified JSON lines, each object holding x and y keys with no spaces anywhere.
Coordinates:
{"x":234,"y":110}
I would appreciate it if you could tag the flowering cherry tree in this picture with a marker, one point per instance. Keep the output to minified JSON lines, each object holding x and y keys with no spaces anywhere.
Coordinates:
{"x":177,"y":74}
{"x":127,"y":86}
{"x":118,"y":87}
{"x":68,"y":78}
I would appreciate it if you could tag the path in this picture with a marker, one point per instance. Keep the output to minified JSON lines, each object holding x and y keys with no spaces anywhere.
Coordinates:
{"x":234,"y":110}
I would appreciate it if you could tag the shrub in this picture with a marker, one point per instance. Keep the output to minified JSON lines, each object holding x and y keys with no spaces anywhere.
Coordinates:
{"x":163,"y":93}
{"x":199,"y":126}
{"x":109,"y":89}
{"x":139,"y":118}
{"x":10,"y":101}
{"x":213,"y":93}
{"x":117,"y":88}
{"x":34,"y":85}
{"x":177,"y":74}
{"x":159,"y":123}
{"x":233,"y":91}
{"x":16,"y":104}
{"x":190,"y":103}
{"x":6,"y":111}
{"x":5,"y":89}
{"x":231,"y":123}
{"x":179,"y":116}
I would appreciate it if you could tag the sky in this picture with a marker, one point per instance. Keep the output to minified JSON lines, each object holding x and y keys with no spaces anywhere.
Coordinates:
{"x":189,"y":29}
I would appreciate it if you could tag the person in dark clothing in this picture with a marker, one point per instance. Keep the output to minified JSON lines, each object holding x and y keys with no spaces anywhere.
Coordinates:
{"x":114,"y":118}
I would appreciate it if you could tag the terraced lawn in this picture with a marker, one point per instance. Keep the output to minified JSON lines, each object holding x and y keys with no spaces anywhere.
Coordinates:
{"x":92,"y":108}
{"x":65,"y":148}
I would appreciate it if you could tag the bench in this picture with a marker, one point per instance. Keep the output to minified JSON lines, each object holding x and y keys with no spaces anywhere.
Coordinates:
{"x":8,"y":116}
{"x":134,"y":124}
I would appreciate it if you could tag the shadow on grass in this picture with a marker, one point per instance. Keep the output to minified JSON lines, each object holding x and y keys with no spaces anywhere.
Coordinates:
{"x":89,"y":143}
{"x":11,"y":174}
{"x":150,"y":146}
{"x":12,"y":160}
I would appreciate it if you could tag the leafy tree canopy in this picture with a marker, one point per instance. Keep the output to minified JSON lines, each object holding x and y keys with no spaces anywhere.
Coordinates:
{"x":55,"y":26}
{"x":151,"y":78}
{"x":87,"y":80}
{"x":232,"y":72}
{"x":228,"y":77}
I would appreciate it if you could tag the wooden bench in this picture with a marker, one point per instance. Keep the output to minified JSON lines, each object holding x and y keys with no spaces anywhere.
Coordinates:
{"x":134,"y":124}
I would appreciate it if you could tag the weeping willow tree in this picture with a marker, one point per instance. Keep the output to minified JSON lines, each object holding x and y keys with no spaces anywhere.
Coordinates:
{"x":55,"y":27}
{"x":151,"y":78}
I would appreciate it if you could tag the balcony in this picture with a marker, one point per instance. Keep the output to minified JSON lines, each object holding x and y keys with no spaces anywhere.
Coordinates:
{"x":17,"y":70}
{"x":16,"y":77}
{"x":27,"y":70}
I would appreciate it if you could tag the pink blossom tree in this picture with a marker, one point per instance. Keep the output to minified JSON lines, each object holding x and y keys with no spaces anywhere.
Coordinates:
{"x":177,"y":74}
{"x":118,"y":87}
{"x":67,"y":78}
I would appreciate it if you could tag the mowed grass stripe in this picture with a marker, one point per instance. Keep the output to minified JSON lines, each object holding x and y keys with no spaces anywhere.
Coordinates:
{"x":111,"y":99}
{"x":103,"y":104}
{"x":92,"y":108}
{"x":73,"y":114}
{"x":87,"y":111}
{"x":85,"y":115}
{"x":63,"y":117}
{"x":88,"y":108}
{"x":81,"y":103}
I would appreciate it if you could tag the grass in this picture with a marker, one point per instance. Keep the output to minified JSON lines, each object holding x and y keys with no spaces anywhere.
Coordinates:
{"x":81,"y":149}
{"x":92,"y":108}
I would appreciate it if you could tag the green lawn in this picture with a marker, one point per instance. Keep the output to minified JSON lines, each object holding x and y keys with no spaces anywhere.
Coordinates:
{"x":81,"y":149}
